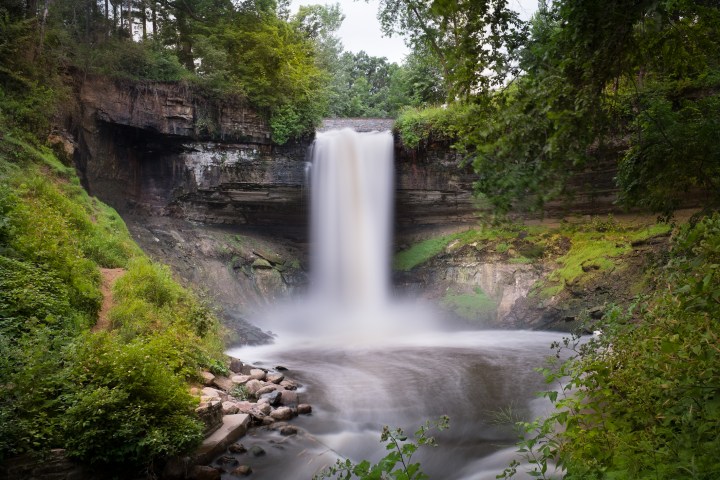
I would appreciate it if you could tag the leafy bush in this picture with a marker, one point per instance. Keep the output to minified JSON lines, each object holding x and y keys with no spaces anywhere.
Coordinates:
{"x":117,"y":397}
{"x":132,"y":61}
{"x":643,"y":399}
{"x":124,"y":404}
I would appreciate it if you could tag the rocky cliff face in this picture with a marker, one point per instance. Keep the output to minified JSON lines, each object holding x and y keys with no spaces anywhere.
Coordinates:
{"x":164,"y":149}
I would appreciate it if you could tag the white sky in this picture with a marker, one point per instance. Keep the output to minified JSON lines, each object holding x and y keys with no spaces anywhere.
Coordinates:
{"x":361,"y":29}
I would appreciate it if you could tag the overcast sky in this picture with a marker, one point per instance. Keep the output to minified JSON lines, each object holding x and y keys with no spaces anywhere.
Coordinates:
{"x":361,"y":29}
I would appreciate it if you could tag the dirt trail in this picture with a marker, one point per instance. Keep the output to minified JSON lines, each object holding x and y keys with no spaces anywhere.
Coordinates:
{"x":109,"y":276}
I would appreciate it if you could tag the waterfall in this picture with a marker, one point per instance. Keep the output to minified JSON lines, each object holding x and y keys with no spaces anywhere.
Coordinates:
{"x":351,"y":185}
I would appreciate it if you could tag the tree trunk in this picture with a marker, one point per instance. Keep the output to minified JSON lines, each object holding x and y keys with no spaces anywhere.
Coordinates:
{"x":154,"y":19}
{"x":184,"y":41}
{"x":31,"y":8}
{"x":143,"y":17}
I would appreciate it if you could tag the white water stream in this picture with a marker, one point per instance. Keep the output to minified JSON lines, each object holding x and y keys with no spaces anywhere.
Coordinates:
{"x":368,"y":360}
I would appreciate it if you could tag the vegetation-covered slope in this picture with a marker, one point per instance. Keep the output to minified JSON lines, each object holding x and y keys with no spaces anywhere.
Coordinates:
{"x":115,"y":396}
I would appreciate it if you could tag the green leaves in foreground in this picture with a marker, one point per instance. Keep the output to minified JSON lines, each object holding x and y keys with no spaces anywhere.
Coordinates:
{"x":397,"y":463}
{"x":643,"y":399}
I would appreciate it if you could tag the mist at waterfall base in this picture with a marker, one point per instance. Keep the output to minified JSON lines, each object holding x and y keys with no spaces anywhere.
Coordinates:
{"x":366,"y":359}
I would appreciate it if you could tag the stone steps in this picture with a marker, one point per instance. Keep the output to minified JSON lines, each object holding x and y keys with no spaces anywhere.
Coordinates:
{"x":233,"y":427}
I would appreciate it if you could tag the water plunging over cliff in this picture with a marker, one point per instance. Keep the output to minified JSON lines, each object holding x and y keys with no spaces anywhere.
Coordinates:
{"x":352,"y":199}
{"x":369,"y":360}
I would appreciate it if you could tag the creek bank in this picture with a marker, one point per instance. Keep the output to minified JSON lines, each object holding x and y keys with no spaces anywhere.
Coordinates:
{"x":250,"y":397}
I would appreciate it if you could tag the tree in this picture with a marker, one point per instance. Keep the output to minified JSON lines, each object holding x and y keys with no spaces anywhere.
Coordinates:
{"x":474,"y":42}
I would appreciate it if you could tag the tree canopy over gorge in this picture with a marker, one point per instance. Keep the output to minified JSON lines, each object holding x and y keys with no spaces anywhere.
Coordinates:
{"x":291,"y":67}
{"x":634,"y":80}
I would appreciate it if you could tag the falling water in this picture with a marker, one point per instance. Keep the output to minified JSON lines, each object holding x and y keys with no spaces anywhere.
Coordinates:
{"x":368,"y":360}
{"x":352,"y":196}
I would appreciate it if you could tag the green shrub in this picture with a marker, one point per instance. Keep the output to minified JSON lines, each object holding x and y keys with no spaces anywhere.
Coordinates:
{"x":116,"y":397}
{"x":643,"y":400}
{"x":124,"y":405}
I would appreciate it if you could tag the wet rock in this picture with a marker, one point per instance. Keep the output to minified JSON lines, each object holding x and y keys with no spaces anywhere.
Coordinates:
{"x":261,"y":264}
{"x":275,"y":378}
{"x":223,"y":383}
{"x":237,"y":448}
{"x":265,"y":409}
{"x":273,"y":397}
{"x":289,"y":398}
{"x":242,"y":470}
{"x":304,"y":409}
{"x":240,"y":379}
{"x":282,"y":413}
{"x":227,"y":460}
{"x":244,"y":406}
{"x":229,"y":408}
{"x":256,"y":451}
{"x":267,"y":421}
{"x":253,"y":386}
{"x":288,"y":385}
{"x":280,"y":368}
{"x":257,"y":374}
{"x":235,"y":365}
{"x":207,"y":378}
{"x":202,"y":472}
{"x":288,"y":430}
{"x":596,"y":312}
{"x":266,"y":389}
{"x":271,"y":257}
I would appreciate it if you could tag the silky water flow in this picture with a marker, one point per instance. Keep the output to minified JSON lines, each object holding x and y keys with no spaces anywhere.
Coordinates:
{"x":366,"y":360}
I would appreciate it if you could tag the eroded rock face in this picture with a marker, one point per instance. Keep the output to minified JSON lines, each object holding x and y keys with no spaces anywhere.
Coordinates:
{"x":170,"y":108}
{"x":163,"y":149}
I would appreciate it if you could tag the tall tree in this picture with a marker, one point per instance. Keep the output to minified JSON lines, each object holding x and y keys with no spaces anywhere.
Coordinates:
{"x":474,"y":41}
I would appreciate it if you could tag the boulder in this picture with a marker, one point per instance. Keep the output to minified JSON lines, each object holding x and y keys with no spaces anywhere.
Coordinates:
{"x":207,"y":378}
{"x":288,"y":430}
{"x":282,"y":413}
{"x":257,"y":374}
{"x":261,"y":264}
{"x":304,"y":409}
{"x":202,"y":472}
{"x":242,"y":470}
{"x":245,"y":406}
{"x":227,"y":460}
{"x":240,"y":379}
{"x":253,"y":386}
{"x":256,"y":451}
{"x":237,"y":448}
{"x":211,"y":392}
{"x":223,"y":383}
{"x":265,"y":409}
{"x":289,"y":398}
{"x":275,"y":378}
{"x":273,"y":397}
{"x":229,"y":408}
{"x":235,"y":365}
{"x":266,"y":389}
{"x":288,"y":385}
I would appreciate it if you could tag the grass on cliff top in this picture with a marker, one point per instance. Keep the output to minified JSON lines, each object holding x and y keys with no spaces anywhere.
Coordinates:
{"x":423,"y":251}
{"x":117,"y":397}
{"x":593,"y":251}
{"x":594,"y":247}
